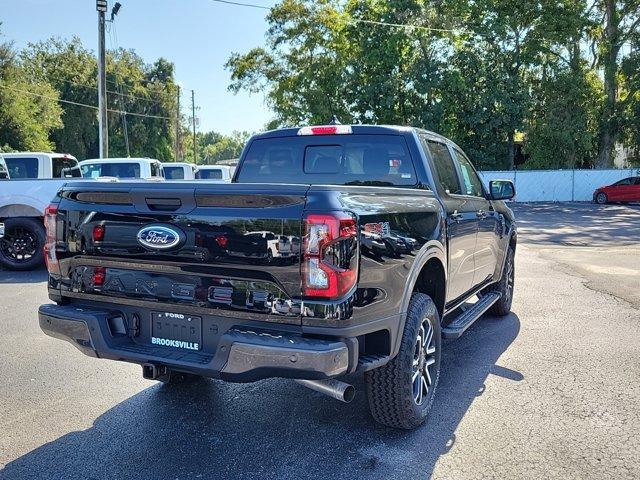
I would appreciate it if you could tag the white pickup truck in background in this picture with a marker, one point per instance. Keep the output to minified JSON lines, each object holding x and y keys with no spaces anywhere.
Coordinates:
{"x":34,"y":179}
{"x":179,"y":170}
{"x":146,"y":168}
{"x":220,"y":173}
{"x":33,"y":165}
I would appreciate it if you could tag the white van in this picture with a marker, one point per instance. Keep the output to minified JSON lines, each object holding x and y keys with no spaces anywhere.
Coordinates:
{"x":38,"y":165}
{"x":179,"y":170}
{"x":146,"y":168}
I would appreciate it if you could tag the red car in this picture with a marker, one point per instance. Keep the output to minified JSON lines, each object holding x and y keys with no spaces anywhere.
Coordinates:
{"x":625,"y":190}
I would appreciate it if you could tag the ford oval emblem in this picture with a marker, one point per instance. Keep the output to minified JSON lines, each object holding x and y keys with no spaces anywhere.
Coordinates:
{"x":158,"y":237}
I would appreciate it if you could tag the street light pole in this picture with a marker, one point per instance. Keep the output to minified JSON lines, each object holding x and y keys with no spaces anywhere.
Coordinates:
{"x":193,"y":114}
{"x":103,"y":132}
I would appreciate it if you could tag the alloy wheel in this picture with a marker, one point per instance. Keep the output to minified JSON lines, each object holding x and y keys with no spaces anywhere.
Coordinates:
{"x":19,"y":244}
{"x":424,"y":359}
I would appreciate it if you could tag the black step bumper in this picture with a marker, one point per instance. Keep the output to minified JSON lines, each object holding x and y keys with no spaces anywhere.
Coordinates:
{"x":242,"y":354}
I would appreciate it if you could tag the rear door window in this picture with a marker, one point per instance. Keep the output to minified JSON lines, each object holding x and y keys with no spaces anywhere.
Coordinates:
{"x":22,"y":167}
{"x":156,"y":170}
{"x":210,"y":174}
{"x":445,"y":168}
{"x":4,"y":173}
{"x":64,"y":167}
{"x":118,"y":170}
{"x":329,"y":159}
{"x":173,"y":173}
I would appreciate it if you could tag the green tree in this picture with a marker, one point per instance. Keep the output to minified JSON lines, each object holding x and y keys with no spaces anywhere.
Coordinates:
{"x":619,"y":21}
{"x":225,"y":147}
{"x":28,"y":110}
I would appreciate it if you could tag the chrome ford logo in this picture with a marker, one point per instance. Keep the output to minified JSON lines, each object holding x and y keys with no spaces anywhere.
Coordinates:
{"x":158,"y":237}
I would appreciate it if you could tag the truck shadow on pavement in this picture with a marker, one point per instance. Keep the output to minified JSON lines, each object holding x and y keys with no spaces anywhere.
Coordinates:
{"x":34,"y":276}
{"x":272,"y":429}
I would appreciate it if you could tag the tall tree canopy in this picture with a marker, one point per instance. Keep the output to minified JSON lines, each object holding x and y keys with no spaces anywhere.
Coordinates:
{"x":485,"y":72}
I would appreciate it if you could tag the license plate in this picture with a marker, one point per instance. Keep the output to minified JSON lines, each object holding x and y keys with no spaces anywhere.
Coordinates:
{"x":176,"y":330}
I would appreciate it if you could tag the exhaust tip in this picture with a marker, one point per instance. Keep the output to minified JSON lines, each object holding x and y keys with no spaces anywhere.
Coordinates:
{"x":349,"y":394}
{"x":333,"y":388}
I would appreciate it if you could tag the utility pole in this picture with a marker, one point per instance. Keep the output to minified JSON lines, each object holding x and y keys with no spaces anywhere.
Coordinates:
{"x":193,"y":120}
{"x":178,"y":127}
{"x":103,"y":132}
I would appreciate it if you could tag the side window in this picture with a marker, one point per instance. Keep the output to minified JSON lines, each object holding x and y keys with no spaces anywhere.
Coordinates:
{"x":624,"y":181}
{"x":471,"y":183}
{"x":22,"y":167}
{"x":445,"y":167}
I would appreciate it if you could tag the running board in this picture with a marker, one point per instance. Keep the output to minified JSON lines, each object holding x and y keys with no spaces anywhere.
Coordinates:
{"x":463,"y":321}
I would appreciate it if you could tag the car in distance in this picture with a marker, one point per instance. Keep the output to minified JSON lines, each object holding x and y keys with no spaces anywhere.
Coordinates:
{"x":400,"y":244}
{"x":179,"y":170}
{"x":625,"y":190}
{"x":145,"y":168}
{"x":219,"y":173}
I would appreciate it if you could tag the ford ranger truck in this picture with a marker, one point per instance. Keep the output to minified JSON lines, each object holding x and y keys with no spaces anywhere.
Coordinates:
{"x":399,"y":245}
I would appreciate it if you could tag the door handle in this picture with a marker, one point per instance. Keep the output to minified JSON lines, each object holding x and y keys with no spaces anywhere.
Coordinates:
{"x":481,"y":214}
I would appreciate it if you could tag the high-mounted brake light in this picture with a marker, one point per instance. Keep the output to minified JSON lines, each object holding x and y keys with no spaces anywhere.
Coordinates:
{"x":330,"y":265}
{"x":50,"y":259}
{"x":326,"y":130}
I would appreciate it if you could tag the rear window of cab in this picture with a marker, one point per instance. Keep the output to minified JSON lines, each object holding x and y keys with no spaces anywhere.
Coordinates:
{"x":329,"y":159}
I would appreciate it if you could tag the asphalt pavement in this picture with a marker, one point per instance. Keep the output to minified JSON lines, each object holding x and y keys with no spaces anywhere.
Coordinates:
{"x":550,"y":391}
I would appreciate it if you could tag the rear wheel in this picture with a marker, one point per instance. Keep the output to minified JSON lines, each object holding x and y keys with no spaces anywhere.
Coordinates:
{"x":401,"y":392}
{"x":22,"y":244}
{"x":505,"y":287}
{"x":601,"y":198}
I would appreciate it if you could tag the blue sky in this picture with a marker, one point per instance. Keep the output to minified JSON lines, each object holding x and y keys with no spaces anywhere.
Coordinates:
{"x":196,"y":35}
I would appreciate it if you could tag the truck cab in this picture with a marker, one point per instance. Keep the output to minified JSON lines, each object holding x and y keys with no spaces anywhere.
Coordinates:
{"x":179,"y":170}
{"x":215,"y":173}
{"x":40,"y":165}
{"x":126,"y":168}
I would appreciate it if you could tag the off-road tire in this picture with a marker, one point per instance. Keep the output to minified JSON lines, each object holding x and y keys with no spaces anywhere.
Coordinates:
{"x":33,"y":228}
{"x":390,"y":389}
{"x":505,"y":287}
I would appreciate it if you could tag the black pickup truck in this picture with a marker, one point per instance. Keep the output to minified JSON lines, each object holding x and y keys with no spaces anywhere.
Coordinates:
{"x":336,"y":250}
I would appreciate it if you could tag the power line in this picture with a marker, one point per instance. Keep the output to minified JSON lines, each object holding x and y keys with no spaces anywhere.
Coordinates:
{"x":59,"y":79}
{"x":353,"y":20}
{"x":404,"y":25}
{"x":136,"y":114}
{"x":241,"y":4}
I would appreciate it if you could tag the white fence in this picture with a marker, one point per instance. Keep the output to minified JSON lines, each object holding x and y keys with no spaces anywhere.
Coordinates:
{"x":558,"y":185}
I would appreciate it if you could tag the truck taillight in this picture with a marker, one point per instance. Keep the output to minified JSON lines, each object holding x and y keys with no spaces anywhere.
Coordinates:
{"x":98,"y":233}
{"x":50,"y":215}
{"x":330,"y":259}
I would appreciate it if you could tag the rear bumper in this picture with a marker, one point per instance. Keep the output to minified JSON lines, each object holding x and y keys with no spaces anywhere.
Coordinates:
{"x":242,"y":354}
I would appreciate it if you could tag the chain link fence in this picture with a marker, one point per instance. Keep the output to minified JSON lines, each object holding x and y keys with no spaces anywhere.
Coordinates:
{"x":558,"y":185}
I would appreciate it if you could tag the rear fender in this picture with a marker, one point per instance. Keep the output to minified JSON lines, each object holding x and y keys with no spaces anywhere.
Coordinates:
{"x":431,"y":249}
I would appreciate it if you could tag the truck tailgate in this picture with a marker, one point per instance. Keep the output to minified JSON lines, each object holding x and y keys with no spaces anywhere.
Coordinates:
{"x":215,"y":247}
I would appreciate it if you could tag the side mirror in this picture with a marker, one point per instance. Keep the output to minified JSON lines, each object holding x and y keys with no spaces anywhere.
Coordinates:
{"x":501,"y":190}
